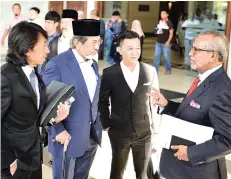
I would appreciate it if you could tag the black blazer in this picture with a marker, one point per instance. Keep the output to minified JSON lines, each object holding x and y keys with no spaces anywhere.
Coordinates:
{"x":207,"y":159}
{"x":19,"y":118}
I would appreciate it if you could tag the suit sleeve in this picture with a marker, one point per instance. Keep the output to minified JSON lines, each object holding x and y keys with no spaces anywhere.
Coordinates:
{"x":8,"y":156}
{"x":220,"y":144}
{"x":105,"y":93}
{"x":171,"y":108}
{"x":5,"y":96}
{"x":155,"y":84}
{"x":51,"y":73}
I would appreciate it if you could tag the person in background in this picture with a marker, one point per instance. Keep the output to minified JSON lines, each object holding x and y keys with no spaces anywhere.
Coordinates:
{"x":52,"y":20}
{"x":81,"y":15}
{"x":95,"y":15}
{"x":117,"y":27}
{"x":180,"y":33}
{"x":16,"y":8}
{"x":23,"y":96}
{"x":34,"y":16}
{"x":83,"y":124}
{"x":62,"y":42}
{"x":190,"y":35}
{"x":108,"y":40}
{"x":136,"y":27}
{"x":163,"y":43}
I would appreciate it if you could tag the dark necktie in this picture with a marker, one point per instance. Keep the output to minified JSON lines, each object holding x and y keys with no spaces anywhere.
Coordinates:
{"x":193,"y":86}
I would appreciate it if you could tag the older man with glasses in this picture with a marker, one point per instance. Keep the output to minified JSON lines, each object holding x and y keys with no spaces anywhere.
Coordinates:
{"x":211,"y":91}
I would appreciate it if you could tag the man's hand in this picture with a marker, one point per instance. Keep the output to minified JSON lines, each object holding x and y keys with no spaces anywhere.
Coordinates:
{"x":157,"y":98}
{"x":182,"y":153}
{"x":13,"y":168}
{"x":167,"y":44}
{"x":107,"y":129}
{"x":62,"y":137}
{"x":62,"y":112}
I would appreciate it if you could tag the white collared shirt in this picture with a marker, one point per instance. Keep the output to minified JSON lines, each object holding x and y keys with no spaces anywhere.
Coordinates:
{"x":27,"y":70}
{"x":89,"y":75}
{"x":63,"y":44}
{"x":131,"y":77}
{"x":204,"y":75}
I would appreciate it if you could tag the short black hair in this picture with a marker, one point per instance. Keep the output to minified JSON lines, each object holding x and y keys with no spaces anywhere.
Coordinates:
{"x":128,"y":35}
{"x":16,"y":4}
{"x":53,"y":16}
{"x":116,"y":13}
{"x":22,"y":37}
{"x":35,"y":9}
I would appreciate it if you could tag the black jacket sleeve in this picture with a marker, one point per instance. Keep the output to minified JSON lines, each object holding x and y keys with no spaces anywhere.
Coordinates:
{"x":104,"y":95}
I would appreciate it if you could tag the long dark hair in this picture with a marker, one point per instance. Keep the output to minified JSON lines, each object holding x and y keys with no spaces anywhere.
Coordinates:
{"x":23,"y":37}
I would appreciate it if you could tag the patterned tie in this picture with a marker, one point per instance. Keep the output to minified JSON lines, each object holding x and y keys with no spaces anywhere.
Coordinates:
{"x":193,"y":86}
{"x":33,"y":78}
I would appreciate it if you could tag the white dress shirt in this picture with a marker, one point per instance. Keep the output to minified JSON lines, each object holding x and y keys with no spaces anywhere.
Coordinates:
{"x":131,"y":77}
{"x":27,"y":70}
{"x":204,"y":75}
{"x":89,"y":75}
{"x":63,"y":44}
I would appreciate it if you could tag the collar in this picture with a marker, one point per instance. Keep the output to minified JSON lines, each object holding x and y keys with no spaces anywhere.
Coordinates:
{"x":27,"y":70}
{"x":124,"y":67}
{"x":80,"y":59}
{"x":204,"y":75}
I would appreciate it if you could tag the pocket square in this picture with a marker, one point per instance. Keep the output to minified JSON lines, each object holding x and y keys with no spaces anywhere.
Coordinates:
{"x":195,"y":104}
{"x":147,"y":84}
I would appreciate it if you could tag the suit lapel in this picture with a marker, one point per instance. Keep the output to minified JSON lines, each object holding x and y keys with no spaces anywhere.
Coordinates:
{"x":42,"y":92}
{"x":142,"y":77}
{"x":74,"y":67}
{"x":199,"y":90}
{"x":95,"y":67}
{"x":24,"y":80}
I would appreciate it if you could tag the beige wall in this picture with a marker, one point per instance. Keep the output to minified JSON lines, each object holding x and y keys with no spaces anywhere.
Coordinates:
{"x":149,"y":19}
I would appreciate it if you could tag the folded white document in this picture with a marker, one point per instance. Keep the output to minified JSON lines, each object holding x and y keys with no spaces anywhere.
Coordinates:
{"x":171,"y":126}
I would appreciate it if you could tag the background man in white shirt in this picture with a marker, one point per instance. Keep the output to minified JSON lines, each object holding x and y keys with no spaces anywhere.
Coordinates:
{"x":129,"y":123}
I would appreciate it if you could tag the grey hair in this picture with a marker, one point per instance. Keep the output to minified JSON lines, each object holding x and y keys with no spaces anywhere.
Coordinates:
{"x":220,"y":44}
{"x":81,"y":39}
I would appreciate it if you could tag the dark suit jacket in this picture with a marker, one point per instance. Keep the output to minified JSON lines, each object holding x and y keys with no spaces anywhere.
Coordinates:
{"x":130,"y":112}
{"x":207,"y":159}
{"x":19,"y":118}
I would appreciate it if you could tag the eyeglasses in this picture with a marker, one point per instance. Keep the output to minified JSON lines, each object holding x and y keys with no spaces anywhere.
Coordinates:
{"x":98,"y":42}
{"x":195,"y":49}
